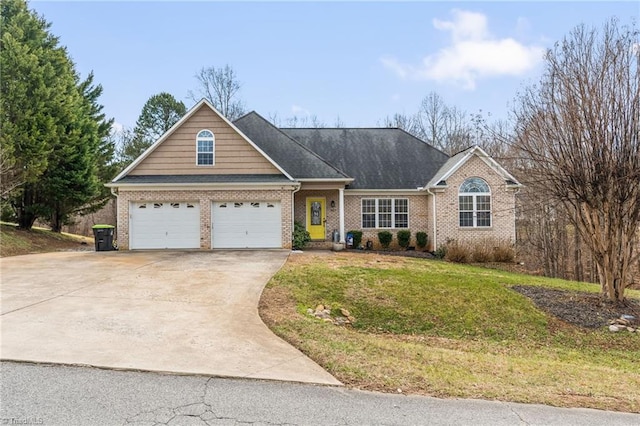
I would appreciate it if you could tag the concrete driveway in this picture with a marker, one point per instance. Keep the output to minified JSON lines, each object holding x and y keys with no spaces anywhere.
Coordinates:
{"x":181,"y":312}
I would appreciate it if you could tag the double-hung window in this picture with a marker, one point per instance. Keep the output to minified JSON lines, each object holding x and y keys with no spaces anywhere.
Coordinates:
{"x":474,"y":204}
{"x":385,"y":213}
{"x":205,"y":148}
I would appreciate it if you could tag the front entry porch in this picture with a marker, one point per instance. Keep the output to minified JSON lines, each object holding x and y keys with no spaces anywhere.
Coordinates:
{"x":321,"y":209}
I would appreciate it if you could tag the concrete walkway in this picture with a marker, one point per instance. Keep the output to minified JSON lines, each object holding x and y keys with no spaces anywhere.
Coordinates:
{"x":179,"y":312}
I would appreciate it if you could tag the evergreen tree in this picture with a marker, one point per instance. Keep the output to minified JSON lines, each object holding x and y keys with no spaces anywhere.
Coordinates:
{"x":76,"y":185}
{"x":29,"y":92}
{"x":158,"y":114}
{"x":52,"y":126}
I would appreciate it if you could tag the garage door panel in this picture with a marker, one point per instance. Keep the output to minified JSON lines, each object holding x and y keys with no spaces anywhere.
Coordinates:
{"x":246,"y":224}
{"x":165,"y":225}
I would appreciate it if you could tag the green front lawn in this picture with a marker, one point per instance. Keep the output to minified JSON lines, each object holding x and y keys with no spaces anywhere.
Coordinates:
{"x":436,"y":328}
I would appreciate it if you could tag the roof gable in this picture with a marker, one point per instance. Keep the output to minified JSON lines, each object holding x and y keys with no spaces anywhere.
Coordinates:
{"x":454,"y":163}
{"x":377,"y":158}
{"x":260,"y":158}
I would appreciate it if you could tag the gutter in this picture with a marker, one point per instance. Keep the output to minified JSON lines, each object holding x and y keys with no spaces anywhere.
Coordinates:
{"x":199,"y":185}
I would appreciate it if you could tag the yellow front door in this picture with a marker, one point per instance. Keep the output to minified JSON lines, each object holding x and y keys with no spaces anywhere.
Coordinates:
{"x":316,"y":218}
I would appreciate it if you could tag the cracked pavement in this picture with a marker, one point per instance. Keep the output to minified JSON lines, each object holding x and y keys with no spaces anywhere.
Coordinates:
{"x":65,"y":395}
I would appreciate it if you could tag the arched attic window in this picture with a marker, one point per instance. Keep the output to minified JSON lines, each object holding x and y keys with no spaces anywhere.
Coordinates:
{"x":205,"y":148}
{"x":474,"y":203}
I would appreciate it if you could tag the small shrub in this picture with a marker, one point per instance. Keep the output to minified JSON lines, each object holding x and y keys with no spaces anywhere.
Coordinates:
{"x":300,"y":236}
{"x":385,"y":238}
{"x":421,"y":240}
{"x":357,"y":238}
{"x":404,"y":238}
{"x":441,"y":252}
{"x":481,"y":252}
{"x":503,"y":252}
{"x":457,"y":253}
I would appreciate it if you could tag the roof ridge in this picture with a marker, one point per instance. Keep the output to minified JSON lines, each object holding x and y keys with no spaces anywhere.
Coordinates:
{"x":340,"y":128}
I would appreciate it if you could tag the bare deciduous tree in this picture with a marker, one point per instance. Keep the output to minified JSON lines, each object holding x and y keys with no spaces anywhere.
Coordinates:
{"x":221,"y":87}
{"x":405,"y":122}
{"x":433,"y":120}
{"x":580,"y":130}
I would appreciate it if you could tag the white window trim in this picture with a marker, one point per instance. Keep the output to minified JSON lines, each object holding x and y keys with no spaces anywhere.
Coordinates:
{"x":376,"y":213}
{"x":474,"y":202}
{"x":207,"y":139}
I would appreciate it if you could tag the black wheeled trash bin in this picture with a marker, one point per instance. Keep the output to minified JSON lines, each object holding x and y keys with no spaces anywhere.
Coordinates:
{"x":103,"y":235}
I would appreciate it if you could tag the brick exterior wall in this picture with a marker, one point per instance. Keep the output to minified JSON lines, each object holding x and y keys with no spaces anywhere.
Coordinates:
{"x":418,"y":217}
{"x":204,"y":198}
{"x":502,"y":206}
{"x":420,"y":210}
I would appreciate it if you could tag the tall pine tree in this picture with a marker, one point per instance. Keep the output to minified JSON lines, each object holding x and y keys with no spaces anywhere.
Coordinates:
{"x":52,"y":125}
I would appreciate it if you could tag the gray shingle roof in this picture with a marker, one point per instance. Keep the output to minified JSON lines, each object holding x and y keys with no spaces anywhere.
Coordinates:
{"x":294,"y":158}
{"x":446,"y":167}
{"x":381,"y":158}
{"x":181,"y":179}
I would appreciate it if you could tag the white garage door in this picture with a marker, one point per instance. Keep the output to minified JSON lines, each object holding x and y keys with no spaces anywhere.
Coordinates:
{"x":248,"y":224}
{"x":164,"y":225}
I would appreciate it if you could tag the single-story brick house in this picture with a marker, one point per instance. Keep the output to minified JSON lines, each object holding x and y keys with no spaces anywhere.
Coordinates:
{"x":211,"y":183}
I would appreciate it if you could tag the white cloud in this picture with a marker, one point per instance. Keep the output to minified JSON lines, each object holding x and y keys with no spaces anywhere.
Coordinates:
{"x":472,"y":54}
{"x":297,"y":109}
{"x":466,"y":26}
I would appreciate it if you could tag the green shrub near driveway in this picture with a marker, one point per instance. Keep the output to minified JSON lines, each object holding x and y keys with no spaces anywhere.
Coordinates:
{"x":300,"y":236}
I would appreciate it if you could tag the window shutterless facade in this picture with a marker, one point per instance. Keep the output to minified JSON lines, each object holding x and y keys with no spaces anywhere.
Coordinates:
{"x":385,"y":212}
{"x":474,"y":204}
{"x":205,"y":148}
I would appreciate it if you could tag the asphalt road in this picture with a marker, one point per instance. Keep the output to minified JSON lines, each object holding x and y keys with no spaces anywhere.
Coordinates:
{"x":36,"y":394}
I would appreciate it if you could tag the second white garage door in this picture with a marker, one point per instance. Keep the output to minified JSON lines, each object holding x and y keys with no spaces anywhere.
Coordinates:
{"x":248,"y":224}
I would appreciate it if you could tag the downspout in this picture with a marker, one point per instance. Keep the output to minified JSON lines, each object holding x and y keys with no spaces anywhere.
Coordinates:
{"x":114,"y":192}
{"x":341,"y":213}
{"x":515,"y":227}
{"x":293,"y":209}
{"x":433,"y":213}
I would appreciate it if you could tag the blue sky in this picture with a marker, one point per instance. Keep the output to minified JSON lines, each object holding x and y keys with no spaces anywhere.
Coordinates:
{"x":361,"y":61}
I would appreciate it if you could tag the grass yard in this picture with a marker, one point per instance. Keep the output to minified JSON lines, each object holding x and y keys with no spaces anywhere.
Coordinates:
{"x":435,"y":328}
{"x":15,"y":242}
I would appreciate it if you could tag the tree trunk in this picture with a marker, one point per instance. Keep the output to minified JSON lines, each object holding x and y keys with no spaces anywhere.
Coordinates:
{"x":577,"y":255}
{"x":24,"y":211}
{"x":56,"y":222}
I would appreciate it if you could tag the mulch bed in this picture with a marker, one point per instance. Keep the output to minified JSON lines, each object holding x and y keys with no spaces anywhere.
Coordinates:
{"x":587,"y":310}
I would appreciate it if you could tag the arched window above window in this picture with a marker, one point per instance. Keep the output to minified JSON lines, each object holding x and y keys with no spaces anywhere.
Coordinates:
{"x":474,"y":184}
{"x":205,"y":148}
{"x":474,"y":203}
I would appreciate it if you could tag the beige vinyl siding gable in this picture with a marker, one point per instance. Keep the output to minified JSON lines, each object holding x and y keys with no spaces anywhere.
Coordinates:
{"x":176,"y":155}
